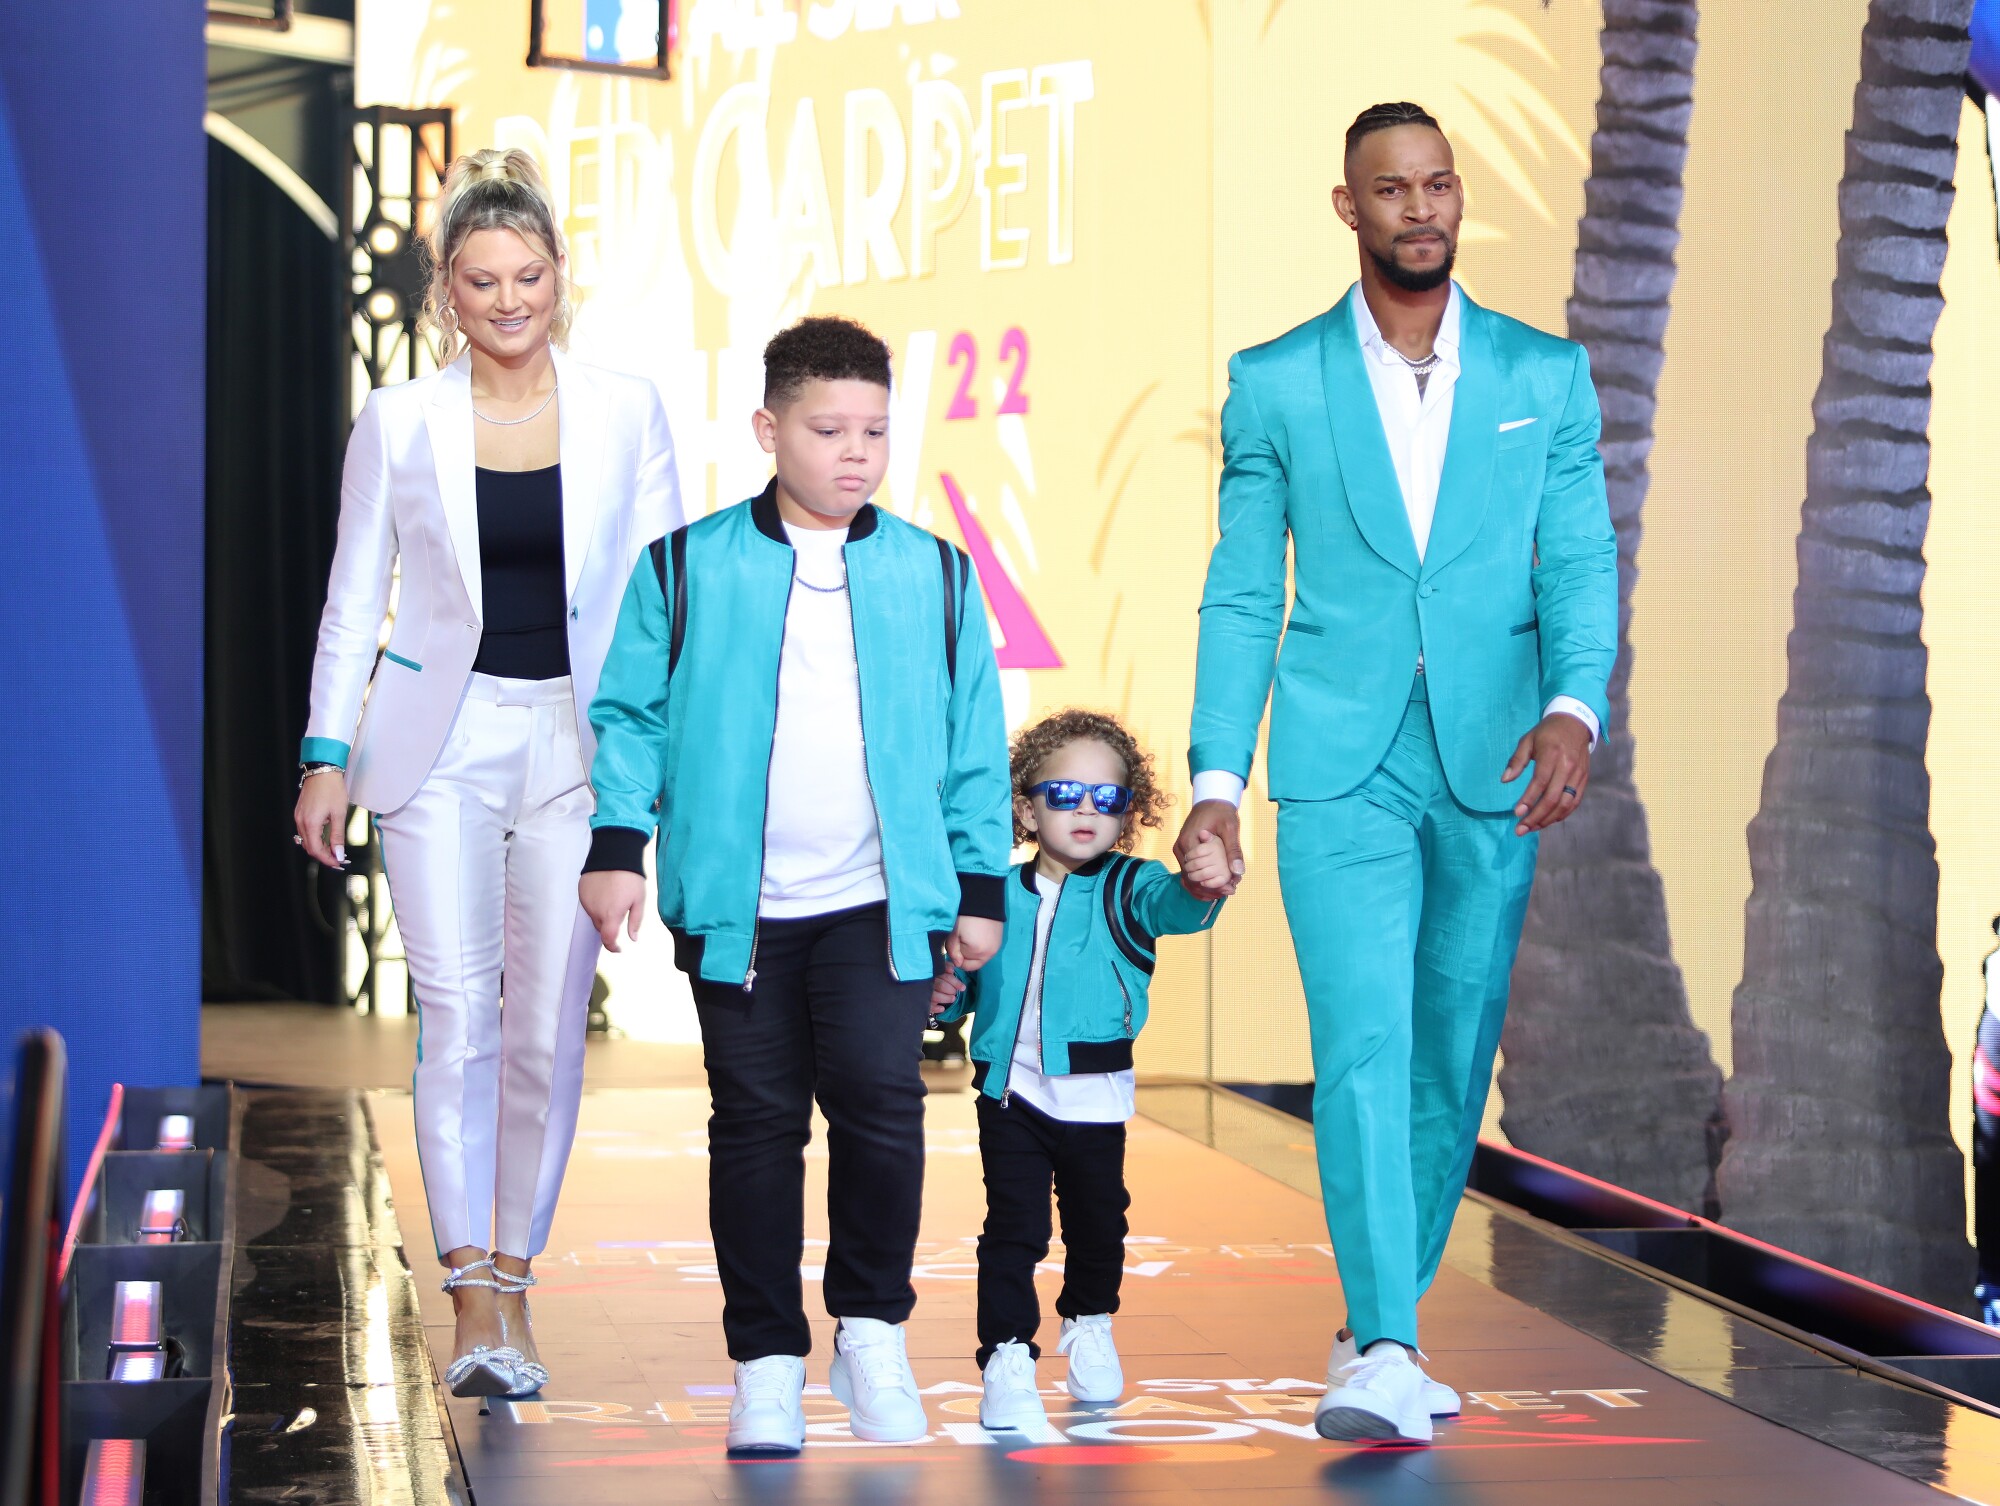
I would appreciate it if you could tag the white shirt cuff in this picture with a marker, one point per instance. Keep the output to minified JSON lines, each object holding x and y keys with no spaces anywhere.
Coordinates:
{"x":1218,"y":784}
{"x":1569,"y":705}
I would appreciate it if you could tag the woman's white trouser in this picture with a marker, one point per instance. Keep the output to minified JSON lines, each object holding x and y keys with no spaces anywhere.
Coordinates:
{"x":482,"y":865}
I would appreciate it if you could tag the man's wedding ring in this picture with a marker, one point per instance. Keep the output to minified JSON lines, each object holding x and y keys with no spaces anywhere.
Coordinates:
{"x":1570,"y":790}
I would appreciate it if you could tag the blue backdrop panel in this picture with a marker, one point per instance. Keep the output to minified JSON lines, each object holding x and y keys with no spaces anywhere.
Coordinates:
{"x":102,"y":224}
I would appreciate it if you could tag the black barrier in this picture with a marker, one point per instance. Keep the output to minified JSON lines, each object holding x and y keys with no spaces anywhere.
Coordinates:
{"x":177,"y":1412}
{"x":30,"y":1258}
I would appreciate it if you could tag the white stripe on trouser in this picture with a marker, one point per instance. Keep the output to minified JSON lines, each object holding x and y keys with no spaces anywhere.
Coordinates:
{"x":482,"y":864}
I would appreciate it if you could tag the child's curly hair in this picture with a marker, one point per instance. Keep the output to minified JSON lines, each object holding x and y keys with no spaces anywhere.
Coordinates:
{"x":1034,"y":745}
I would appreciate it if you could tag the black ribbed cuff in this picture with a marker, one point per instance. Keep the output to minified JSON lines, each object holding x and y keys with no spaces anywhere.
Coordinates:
{"x":983,"y":895}
{"x":617,"y":849}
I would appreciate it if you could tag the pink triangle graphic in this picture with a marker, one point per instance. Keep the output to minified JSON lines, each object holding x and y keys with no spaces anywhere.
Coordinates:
{"x":1024,"y":645}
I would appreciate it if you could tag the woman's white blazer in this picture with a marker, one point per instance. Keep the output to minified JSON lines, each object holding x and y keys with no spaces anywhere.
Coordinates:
{"x":409,"y":494}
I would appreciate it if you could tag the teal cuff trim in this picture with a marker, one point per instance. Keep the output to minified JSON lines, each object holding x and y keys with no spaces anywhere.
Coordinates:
{"x":1205,"y":756}
{"x":399,"y":659}
{"x":323,"y":750}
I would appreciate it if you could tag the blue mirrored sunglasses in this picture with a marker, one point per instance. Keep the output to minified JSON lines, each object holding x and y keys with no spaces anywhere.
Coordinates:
{"x":1067,"y":795}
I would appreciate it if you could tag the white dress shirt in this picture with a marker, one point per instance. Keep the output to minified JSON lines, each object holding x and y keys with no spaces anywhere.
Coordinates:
{"x":1417,"y":427}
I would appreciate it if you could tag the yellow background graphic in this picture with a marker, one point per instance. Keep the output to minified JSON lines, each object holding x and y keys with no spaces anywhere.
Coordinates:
{"x":1076,"y":211}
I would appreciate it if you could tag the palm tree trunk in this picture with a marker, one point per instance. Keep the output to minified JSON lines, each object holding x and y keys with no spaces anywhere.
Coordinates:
{"x":1604,"y":1068}
{"x":1841,"y":1147}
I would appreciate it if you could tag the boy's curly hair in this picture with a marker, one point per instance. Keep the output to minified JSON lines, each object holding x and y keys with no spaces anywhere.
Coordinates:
{"x":821,"y":349}
{"x":1034,"y":745}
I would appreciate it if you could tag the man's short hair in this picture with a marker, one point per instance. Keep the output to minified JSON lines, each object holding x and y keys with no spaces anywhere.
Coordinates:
{"x":821,"y":349}
{"x":1388,"y":117}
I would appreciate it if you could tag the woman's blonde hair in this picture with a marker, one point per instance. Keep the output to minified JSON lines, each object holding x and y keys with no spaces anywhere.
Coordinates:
{"x":491,"y":190}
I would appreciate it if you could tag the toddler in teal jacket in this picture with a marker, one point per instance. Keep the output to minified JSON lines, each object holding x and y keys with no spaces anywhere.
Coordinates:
{"x":1055,"y":1013}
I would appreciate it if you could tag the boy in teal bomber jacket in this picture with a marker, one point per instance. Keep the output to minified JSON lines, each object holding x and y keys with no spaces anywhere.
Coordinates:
{"x":801,"y":698}
{"x":1054,"y":1017}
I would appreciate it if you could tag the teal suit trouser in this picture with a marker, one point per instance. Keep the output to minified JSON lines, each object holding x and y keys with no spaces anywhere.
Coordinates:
{"x":1405,"y":910}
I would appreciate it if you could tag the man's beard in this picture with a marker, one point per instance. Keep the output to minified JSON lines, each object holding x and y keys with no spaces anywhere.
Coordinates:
{"x":1412,"y":280}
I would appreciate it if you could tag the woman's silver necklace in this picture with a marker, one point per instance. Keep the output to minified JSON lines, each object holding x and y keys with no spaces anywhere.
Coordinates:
{"x":508,"y":423}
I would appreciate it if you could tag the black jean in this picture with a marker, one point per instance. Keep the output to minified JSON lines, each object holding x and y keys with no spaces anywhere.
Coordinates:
{"x":825,"y":1020}
{"x":1024,"y":1152}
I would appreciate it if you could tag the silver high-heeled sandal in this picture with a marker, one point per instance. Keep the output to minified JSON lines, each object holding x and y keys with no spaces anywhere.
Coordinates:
{"x":529,"y":1375}
{"x":485,"y":1370}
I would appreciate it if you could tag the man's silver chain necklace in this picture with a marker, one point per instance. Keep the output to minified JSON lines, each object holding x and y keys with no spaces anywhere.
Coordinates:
{"x":1421,"y":370}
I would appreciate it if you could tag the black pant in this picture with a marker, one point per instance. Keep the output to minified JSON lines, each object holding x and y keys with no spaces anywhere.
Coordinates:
{"x":825,"y":1020}
{"x":1022,"y":1151}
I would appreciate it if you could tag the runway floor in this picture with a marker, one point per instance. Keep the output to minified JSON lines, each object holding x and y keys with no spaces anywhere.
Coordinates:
{"x":1230,"y":1303}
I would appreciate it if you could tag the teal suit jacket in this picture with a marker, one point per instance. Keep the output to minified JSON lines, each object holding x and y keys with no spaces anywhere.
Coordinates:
{"x":1515,"y":601}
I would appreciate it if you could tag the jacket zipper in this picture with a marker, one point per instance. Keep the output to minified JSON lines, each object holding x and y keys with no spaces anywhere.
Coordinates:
{"x":1041,"y":988}
{"x":1127,"y":996}
{"x":757,"y":919}
{"x":861,"y":720}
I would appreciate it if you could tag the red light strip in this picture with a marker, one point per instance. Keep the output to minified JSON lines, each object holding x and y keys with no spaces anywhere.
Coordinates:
{"x":1737,"y":1236}
{"x":93,"y":1168}
{"x":114,"y":1472}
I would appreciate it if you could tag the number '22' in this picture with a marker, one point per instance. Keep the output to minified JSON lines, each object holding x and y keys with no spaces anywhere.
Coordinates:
{"x":965,"y":354}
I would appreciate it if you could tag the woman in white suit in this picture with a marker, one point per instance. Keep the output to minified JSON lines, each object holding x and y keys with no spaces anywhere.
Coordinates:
{"x":515,"y":488}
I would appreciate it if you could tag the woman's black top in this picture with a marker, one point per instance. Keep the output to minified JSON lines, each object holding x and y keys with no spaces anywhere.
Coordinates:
{"x":524,"y":598}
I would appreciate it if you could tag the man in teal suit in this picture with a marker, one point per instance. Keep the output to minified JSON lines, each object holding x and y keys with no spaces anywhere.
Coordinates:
{"x":1453,"y":625}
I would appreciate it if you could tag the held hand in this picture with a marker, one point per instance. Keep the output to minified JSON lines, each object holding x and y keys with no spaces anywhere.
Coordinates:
{"x":973,"y":942}
{"x":1559,"y":748}
{"x":610,"y":897}
{"x":1213,"y":824}
{"x":1207,"y":869}
{"x":321,"y":818}
{"x":945,"y":989}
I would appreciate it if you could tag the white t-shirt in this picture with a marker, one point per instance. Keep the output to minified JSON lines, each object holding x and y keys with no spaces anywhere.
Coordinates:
{"x":1079,"y":1097}
{"x":822,"y":841}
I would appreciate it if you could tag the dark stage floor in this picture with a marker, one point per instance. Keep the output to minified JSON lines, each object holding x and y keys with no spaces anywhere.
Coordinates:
{"x":1584,"y":1381}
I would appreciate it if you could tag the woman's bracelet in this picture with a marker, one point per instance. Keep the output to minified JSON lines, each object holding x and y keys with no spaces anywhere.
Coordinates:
{"x":307,"y":770}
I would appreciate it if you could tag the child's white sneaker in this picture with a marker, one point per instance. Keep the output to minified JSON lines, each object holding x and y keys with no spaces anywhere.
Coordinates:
{"x":768,"y":1413}
{"x":871,"y":1378}
{"x":1094,"y":1371}
{"x":1010,"y":1401}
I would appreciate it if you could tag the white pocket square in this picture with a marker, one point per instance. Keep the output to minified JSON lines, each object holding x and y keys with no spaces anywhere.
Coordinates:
{"x":1515,"y":423}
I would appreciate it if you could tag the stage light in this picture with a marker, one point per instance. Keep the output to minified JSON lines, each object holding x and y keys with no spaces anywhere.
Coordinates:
{"x":383,"y":306}
{"x":135,"y":1368}
{"x":163,"y":1219}
{"x":385,"y":239}
{"x":137,"y":1317}
{"x":177,"y":1132}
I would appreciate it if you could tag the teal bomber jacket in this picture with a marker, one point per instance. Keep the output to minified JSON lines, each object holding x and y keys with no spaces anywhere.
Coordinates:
{"x":1096,"y":973}
{"x":684,"y":747}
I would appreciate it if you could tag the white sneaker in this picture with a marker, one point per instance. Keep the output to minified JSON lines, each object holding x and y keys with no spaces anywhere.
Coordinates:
{"x":1011,"y":1402}
{"x":1380,"y":1400}
{"x":767,"y":1416}
{"x":871,"y":1378}
{"x":1094,"y":1371}
{"x":1438,"y":1397}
